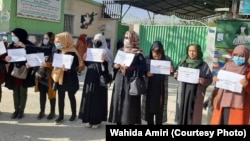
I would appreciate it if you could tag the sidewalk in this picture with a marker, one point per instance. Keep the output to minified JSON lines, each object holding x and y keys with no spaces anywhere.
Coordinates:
{"x":31,"y":129}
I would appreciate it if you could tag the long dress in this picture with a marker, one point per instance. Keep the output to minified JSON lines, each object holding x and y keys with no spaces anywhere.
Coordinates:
{"x":234,"y":116}
{"x":126,"y":109}
{"x":156,"y":99}
{"x":190,"y":97}
{"x":94,"y":100}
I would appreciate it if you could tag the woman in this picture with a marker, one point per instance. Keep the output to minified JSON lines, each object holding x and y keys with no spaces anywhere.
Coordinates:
{"x":81,"y":46}
{"x":232,"y":108}
{"x":93,"y":109}
{"x":190,"y":96}
{"x":19,"y":86}
{"x":43,"y":75}
{"x":125,"y":109}
{"x":66,"y":80}
{"x":154,"y":104}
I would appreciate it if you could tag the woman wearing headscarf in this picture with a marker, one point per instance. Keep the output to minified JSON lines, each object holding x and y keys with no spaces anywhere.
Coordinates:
{"x":232,"y":108}
{"x":93,"y":109}
{"x":81,"y":46}
{"x":66,"y":80}
{"x":189,"y":102}
{"x":19,"y":86}
{"x":43,"y":81}
{"x":125,"y":109}
{"x":154,"y":103}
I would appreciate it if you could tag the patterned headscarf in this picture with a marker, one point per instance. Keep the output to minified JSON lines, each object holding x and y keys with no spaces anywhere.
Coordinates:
{"x":131,"y":38}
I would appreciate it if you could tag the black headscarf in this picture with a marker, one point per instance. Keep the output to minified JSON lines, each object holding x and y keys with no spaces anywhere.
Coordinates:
{"x":160,"y":50}
{"x":22,"y":35}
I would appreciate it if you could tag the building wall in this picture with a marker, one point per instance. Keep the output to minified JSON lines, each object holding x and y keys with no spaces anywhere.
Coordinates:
{"x":77,"y":8}
{"x":81,"y":7}
{"x":34,"y":26}
{"x":5,"y":15}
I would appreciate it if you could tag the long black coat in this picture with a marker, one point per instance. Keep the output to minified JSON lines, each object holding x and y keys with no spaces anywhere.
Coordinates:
{"x":94,"y":101}
{"x":70,"y":78}
{"x":124,"y":108}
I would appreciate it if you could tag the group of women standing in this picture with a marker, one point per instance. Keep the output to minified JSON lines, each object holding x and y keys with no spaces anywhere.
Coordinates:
{"x":126,"y":109}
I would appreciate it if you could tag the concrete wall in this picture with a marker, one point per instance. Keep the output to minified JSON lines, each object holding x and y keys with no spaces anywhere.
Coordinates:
{"x":80,"y":7}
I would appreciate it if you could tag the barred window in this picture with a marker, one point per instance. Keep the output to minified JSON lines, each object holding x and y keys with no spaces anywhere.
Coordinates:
{"x":69,"y":23}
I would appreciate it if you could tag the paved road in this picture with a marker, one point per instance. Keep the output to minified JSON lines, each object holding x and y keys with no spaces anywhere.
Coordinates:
{"x":31,"y":129}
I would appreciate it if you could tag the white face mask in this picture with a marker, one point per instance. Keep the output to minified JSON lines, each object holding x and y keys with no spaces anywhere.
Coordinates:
{"x":15,"y":39}
{"x":45,"y":41}
{"x":126,"y":42}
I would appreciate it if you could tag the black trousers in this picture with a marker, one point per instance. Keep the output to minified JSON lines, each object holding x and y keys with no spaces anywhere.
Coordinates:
{"x":61,"y":103}
{"x":158,"y":119}
{"x":43,"y":97}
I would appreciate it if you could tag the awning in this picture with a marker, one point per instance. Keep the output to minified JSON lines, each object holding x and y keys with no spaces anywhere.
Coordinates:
{"x":188,"y":8}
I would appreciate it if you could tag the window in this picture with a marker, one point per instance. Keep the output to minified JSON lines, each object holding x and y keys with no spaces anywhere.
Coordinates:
{"x":68,"y":23}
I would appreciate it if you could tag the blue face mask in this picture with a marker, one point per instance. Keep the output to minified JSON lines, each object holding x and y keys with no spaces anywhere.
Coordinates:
{"x":238,"y":60}
{"x":58,"y":45}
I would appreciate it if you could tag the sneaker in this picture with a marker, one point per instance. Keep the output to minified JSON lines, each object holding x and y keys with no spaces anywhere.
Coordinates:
{"x":59,"y":120}
{"x":40,"y":115}
{"x":14,"y":115}
{"x":72,"y":118}
{"x":96,"y":126}
{"x":88,"y":125}
{"x":51,"y":116}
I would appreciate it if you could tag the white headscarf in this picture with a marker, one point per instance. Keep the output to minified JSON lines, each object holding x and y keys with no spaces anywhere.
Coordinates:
{"x":108,"y":54}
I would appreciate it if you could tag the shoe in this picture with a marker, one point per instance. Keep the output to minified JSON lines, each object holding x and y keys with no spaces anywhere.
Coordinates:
{"x":96,"y":126}
{"x":20,"y":115}
{"x":51,"y":116}
{"x":59,"y":120}
{"x":72,"y":118}
{"x":88,"y":125}
{"x":40,"y":115}
{"x":14,"y":115}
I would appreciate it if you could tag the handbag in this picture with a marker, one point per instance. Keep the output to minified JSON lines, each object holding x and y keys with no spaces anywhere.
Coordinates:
{"x":20,"y":72}
{"x":137,"y":85}
{"x":105,"y":79}
{"x":105,"y":76}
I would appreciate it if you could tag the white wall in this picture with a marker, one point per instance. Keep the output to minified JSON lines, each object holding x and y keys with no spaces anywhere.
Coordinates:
{"x":80,"y":7}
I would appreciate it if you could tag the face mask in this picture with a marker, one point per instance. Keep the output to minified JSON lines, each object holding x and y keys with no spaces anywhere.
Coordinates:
{"x":126,"y":42}
{"x":58,"y":45}
{"x":98,"y":44}
{"x":238,"y":60}
{"x":15,"y":39}
{"x":45,"y":41}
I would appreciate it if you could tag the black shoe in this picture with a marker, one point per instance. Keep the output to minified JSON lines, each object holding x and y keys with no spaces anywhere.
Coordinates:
{"x":59,"y":120}
{"x":72,"y":118}
{"x":14,"y":115}
{"x":51,"y":116}
{"x":20,"y":115}
{"x":40,"y":115}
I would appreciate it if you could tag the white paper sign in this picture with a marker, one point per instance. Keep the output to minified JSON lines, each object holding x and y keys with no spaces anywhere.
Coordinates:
{"x":2,"y":48}
{"x":62,"y":59}
{"x":17,"y":55}
{"x":160,"y":67}
{"x":94,"y":54}
{"x":188,"y":75}
{"x":229,"y":81}
{"x":124,"y":58}
{"x":35,"y":59}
